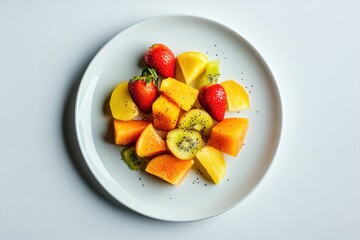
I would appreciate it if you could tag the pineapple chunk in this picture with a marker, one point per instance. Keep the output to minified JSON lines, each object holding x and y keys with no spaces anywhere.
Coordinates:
{"x":213,"y":161}
{"x":236,"y":96}
{"x":189,"y":66}
{"x":182,"y":94}
{"x":121,"y":104}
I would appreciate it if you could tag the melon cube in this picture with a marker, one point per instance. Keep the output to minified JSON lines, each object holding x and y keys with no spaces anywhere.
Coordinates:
{"x":182,"y":94}
{"x":165,"y":113}
{"x":150,"y":143}
{"x":126,"y":132}
{"x":228,"y":135}
{"x":169,"y":168}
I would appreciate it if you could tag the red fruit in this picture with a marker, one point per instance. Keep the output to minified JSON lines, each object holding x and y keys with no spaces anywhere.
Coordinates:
{"x":212,"y":98}
{"x":162,"y":59}
{"x":143,"y":89}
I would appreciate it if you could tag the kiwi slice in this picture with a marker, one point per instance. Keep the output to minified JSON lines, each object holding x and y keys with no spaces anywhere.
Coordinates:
{"x":211,"y":74}
{"x":196,"y":119}
{"x":133,"y":161}
{"x":183,"y":143}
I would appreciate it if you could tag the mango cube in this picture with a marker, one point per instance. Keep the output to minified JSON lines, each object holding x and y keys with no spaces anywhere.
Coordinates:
{"x":213,"y":161}
{"x":165,"y":113}
{"x":189,"y":65}
{"x":182,"y":94}
{"x":236,"y":96}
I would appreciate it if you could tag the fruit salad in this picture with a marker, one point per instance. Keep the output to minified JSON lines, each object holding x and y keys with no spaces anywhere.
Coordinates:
{"x":184,"y":101}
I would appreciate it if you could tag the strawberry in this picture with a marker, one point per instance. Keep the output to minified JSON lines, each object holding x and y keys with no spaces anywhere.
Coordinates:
{"x":212,"y":98}
{"x":162,"y":59}
{"x":143,"y":89}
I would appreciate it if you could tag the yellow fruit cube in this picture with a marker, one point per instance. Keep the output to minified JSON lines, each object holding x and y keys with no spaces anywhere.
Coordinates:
{"x":165,"y":113}
{"x":182,"y":94}
{"x":189,"y":65}
{"x":236,"y":96}
{"x":213,"y":161}
{"x":121,"y":104}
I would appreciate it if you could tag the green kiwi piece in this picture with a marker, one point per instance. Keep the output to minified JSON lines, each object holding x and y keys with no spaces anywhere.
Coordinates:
{"x":183,"y":143}
{"x":196,"y":119}
{"x":211,"y":74}
{"x":133,"y":161}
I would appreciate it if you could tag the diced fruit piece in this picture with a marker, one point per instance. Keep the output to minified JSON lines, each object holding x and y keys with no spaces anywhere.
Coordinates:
{"x":169,"y":168}
{"x":182,"y":94}
{"x":184,"y":144}
{"x":189,"y":65}
{"x":237,"y":97}
{"x":143,"y":89}
{"x":213,"y":161}
{"x":133,"y":161}
{"x":126,"y":132}
{"x":196,"y":119}
{"x":212,"y":98}
{"x":161,"y":58}
{"x":121,"y":104}
{"x":211,"y":74}
{"x":228,"y":135}
{"x":150,"y":143}
{"x":165,"y":113}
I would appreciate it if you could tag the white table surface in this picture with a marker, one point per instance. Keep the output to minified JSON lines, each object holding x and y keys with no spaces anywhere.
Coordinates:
{"x":312,"y":190}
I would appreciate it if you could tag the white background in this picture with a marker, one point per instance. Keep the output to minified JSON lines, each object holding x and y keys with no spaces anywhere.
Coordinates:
{"x":312,"y":190}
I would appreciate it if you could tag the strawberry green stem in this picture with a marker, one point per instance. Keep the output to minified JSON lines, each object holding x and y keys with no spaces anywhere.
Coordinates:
{"x":148,"y":75}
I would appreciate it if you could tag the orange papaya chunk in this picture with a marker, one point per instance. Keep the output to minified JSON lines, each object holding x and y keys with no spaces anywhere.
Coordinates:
{"x":150,"y":143}
{"x":126,"y":132}
{"x":165,"y":113}
{"x":228,"y":135}
{"x":169,"y":168}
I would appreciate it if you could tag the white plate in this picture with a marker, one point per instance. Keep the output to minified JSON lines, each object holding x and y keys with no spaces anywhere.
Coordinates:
{"x":196,"y":198}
